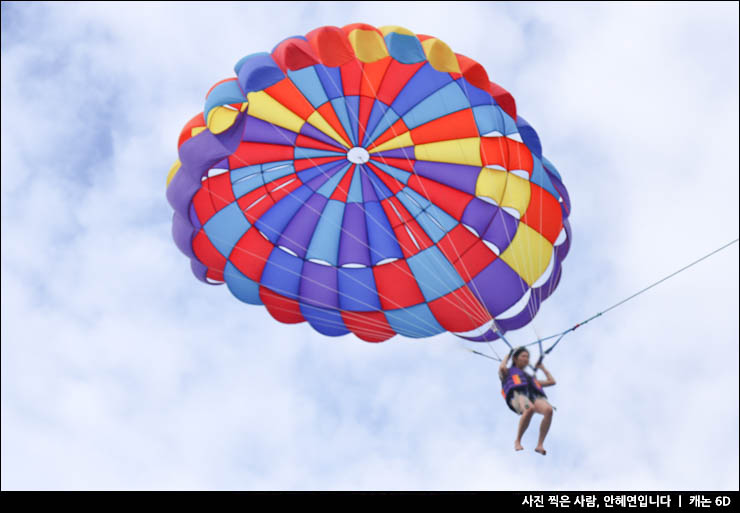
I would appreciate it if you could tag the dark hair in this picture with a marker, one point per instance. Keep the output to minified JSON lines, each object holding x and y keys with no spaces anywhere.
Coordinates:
{"x":516,"y":353}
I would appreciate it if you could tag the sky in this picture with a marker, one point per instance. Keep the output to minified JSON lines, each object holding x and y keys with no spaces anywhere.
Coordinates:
{"x":121,"y":371}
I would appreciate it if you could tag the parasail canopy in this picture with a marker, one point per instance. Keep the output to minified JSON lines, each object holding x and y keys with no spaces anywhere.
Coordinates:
{"x":370,"y":180}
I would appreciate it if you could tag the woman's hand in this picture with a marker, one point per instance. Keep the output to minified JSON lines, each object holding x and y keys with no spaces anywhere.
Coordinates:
{"x":550,"y":380}
{"x":502,"y":368}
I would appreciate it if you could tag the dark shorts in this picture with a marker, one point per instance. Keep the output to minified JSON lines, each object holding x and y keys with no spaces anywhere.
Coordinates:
{"x":522,"y":400}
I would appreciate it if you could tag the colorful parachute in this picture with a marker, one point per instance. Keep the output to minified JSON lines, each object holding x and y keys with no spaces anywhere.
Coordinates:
{"x":370,"y":181}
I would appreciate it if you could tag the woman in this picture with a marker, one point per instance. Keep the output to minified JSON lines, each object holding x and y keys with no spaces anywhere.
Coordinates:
{"x":524,"y":395}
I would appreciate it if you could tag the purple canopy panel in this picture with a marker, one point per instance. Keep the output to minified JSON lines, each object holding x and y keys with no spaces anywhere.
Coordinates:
{"x":198,"y":155}
{"x":502,"y":229}
{"x":315,"y":133}
{"x":399,"y":153}
{"x":353,"y":239}
{"x":257,"y":130}
{"x":194,"y":221}
{"x":565,"y":205}
{"x":182,"y":233}
{"x":323,"y":173}
{"x":523,"y":317}
{"x":488,"y":336}
{"x":297,"y":234}
{"x":498,"y":287}
{"x":562,"y":250}
{"x":457,"y":176}
{"x":547,"y":288}
{"x":319,"y":285}
{"x":478,"y":214}
{"x":368,"y":191}
{"x":199,"y":270}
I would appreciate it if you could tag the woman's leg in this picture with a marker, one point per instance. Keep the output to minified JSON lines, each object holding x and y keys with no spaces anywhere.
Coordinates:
{"x":542,"y":406}
{"x":526,"y":408}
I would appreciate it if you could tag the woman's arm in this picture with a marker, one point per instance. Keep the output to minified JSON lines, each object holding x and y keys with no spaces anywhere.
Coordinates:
{"x":550,"y":381}
{"x":502,"y":370}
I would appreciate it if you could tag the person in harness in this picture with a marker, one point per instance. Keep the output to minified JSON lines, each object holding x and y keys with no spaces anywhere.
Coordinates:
{"x":524,"y":395}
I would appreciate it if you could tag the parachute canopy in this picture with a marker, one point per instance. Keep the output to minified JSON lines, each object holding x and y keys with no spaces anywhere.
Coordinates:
{"x":370,"y":180}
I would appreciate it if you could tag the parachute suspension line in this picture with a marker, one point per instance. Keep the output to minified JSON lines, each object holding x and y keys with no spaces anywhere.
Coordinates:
{"x":494,"y":326}
{"x":542,"y":354}
{"x":524,"y":290}
{"x":476,"y":292}
{"x":509,"y":236}
{"x":525,"y":260}
{"x":499,"y":215}
{"x":529,"y":306}
{"x":484,"y":355}
{"x":478,"y":297}
{"x":472,"y":311}
{"x":367,"y":323}
{"x":561,"y":335}
{"x":290,"y":271}
{"x":500,"y":334}
{"x":505,"y":150}
{"x":474,"y":305}
{"x":339,"y":293}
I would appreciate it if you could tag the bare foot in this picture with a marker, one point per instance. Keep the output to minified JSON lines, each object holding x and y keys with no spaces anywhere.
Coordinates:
{"x":540,"y":450}
{"x":518,"y":446}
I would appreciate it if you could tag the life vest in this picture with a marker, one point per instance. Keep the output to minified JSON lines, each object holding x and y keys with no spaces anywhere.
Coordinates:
{"x":517,"y":379}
